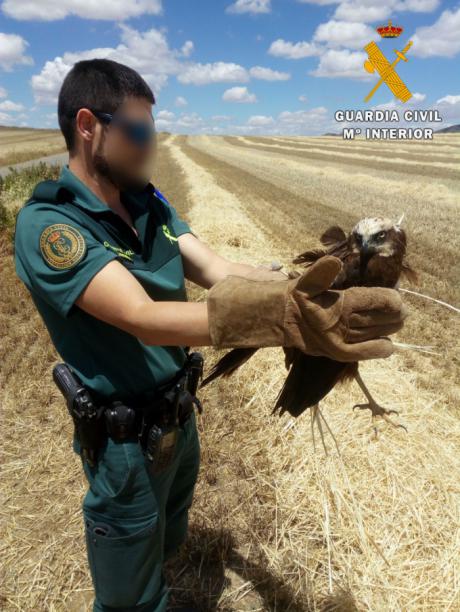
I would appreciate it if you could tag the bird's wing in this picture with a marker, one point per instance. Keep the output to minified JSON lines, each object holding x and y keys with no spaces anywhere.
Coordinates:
{"x":333,"y":236}
{"x":336,"y":243}
{"x":230,"y":362}
{"x":309,"y":380}
{"x":308,"y":257}
{"x":289,"y":355}
{"x":407,"y":270}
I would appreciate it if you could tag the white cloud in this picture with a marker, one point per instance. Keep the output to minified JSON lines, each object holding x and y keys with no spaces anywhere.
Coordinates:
{"x":180,"y":101}
{"x":417,"y":6}
{"x":449,"y":108}
{"x":349,"y":34}
{"x":449,"y":100}
{"x":216,"y":72}
{"x":239,"y":94}
{"x":164,"y":114}
{"x":267,"y":74}
{"x":8,"y":105}
{"x":12,"y":120}
{"x":249,"y":6}
{"x":146,"y":52}
{"x":3,"y":92}
{"x":187,"y":48}
{"x":343,"y":63}
{"x":12,"y":51}
{"x":307,"y":122}
{"x":303,"y":122}
{"x":289,"y":50}
{"x":319,"y":2}
{"x":303,"y":98}
{"x":369,"y":11}
{"x":190,"y":120}
{"x":303,"y":117}
{"x":363,"y":11}
{"x":52,"y":10}
{"x":416,"y":100}
{"x":136,"y":49}
{"x":312,"y":121}
{"x":260,"y":120}
{"x":442,"y":38}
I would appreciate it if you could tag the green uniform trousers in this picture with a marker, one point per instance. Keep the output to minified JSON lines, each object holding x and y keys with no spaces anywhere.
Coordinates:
{"x":134,"y":521}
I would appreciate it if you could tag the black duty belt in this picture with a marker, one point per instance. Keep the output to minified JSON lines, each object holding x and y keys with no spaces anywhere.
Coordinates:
{"x":169,"y":406}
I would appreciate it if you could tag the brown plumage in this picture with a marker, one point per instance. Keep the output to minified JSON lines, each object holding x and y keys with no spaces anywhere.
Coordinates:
{"x":373,"y":255}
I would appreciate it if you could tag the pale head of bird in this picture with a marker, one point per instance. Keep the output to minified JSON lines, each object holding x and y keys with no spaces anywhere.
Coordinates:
{"x":376,"y":235}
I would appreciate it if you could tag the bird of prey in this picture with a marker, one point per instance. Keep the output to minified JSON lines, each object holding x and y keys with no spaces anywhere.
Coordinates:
{"x":373,"y":255}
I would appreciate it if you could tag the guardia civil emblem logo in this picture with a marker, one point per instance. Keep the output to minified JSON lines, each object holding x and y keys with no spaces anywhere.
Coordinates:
{"x":62,"y":246}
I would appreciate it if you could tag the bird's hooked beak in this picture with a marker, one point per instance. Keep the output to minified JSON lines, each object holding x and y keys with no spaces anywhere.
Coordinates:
{"x":366,"y":248}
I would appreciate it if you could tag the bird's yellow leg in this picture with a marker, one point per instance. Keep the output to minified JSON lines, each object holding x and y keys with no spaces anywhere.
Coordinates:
{"x":375,"y":408}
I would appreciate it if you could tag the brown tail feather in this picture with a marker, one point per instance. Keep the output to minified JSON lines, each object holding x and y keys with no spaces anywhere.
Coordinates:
{"x":229,"y":363}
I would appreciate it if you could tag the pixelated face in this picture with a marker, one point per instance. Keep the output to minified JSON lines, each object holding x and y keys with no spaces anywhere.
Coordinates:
{"x":373,"y":235}
{"x":118,"y":154}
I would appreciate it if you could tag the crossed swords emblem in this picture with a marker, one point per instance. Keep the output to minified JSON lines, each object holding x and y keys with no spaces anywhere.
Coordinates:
{"x":378,"y":61}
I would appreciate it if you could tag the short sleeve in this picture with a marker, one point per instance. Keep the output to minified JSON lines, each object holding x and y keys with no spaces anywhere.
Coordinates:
{"x":55,"y":256}
{"x":179,"y":225}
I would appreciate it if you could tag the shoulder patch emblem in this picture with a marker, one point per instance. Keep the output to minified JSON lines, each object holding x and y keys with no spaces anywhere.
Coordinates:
{"x":62,"y":246}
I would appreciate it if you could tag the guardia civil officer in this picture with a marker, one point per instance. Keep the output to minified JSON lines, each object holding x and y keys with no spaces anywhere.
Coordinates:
{"x":104,"y":256}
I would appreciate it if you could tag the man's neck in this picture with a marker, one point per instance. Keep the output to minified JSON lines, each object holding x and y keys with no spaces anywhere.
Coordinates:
{"x":103,"y":188}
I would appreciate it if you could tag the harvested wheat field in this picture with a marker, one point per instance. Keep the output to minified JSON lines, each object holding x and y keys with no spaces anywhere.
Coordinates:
{"x":21,"y":144}
{"x":280,"y":520}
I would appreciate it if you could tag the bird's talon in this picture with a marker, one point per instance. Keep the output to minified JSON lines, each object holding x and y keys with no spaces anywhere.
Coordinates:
{"x":380,"y":411}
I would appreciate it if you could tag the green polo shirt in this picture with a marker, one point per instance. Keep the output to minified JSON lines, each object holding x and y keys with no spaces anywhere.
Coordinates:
{"x":56,"y":256}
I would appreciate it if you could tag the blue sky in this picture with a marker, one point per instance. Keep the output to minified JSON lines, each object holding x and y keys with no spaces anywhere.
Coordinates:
{"x":244,"y":66}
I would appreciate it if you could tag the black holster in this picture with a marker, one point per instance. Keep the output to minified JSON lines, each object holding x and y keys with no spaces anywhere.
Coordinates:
{"x":86,"y":415}
{"x":170,"y":407}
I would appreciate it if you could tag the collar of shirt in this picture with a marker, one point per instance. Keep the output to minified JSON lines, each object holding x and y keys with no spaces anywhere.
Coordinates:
{"x":136,"y":204}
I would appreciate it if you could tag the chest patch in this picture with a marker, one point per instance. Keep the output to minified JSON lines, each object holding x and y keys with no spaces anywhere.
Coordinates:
{"x":62,"y":246}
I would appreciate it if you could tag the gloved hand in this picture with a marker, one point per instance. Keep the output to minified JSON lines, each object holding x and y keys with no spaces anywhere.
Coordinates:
{"x":301,"y":312}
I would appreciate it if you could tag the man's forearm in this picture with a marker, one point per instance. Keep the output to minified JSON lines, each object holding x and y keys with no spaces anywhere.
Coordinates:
{"x":173,"y":323}
{"x":180,"y":323}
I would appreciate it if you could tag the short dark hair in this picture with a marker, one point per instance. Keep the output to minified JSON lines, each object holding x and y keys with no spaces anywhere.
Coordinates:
{"x":99,"y":84}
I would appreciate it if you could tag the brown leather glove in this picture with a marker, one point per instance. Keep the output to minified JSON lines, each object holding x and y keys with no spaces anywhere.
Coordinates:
{"x":302,"y":312}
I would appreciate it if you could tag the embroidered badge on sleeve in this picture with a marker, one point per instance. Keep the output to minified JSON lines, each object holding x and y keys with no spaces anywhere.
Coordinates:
{"x":62,"y":246}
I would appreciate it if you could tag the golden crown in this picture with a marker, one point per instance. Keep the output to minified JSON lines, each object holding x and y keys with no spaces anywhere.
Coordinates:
{"x":54,"y":236}
{"x":389,"y":31}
